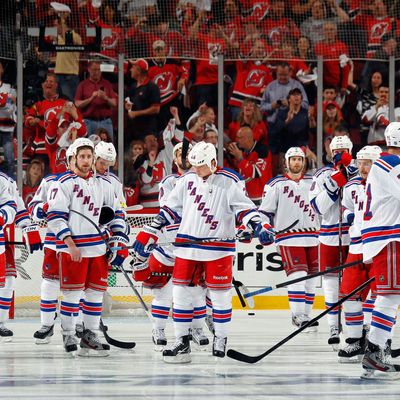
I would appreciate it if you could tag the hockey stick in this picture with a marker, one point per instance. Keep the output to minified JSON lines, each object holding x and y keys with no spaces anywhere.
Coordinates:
{"x":136,"y":207}
{"x":236,"y":355}
{"x":304,"y":278}
{"x":18,"y":263}
{"x":115,"y":342}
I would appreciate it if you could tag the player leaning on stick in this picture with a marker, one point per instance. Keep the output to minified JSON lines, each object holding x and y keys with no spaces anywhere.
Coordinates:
{"x":380,"y":232}
{"x":206,"y":203}
{"x":81,"y":249}
{"x":353,"y":203}
{"x":285,"y":200}
{"x":325,"y":198}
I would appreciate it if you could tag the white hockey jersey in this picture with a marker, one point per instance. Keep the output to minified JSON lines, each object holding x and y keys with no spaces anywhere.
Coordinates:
{"x":87,"y":196}
{"x":8,"y":206}
{"x":285,"y":201}
{"x":381,"y":222}
{"x":328,"y":207}
{"x":118,"y":188}
{"x":37,"y":203}
{"x":208,"y":208}
{"x":165,"y":254}
{"x":353,"y":202}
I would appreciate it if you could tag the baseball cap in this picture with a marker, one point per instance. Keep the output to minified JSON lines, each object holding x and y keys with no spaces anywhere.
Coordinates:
{"x":141,"y":63}
{"x":157,"y":44}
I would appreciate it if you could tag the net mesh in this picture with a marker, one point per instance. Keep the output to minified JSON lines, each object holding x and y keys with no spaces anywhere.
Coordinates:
{"x":120,"y":298}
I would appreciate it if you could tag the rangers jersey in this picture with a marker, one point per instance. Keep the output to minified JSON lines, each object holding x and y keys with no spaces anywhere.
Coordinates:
{"x":381,"y":222}
{"x":118,"y":188}
{"x":328,"y":206}
{"x":286,"y":200}
{"x":208,"y":208}
{"x":353,"y":203}
{"x":87,"y":196}
{"x":8,"y":207}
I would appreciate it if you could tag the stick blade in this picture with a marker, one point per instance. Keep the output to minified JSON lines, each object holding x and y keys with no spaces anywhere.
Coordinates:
{"x":114,"y":342}
{"x":238,"y":356}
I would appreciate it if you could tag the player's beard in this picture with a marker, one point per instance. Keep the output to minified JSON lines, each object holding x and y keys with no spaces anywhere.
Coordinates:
{"x":83,"y":170}
{"x":296,"y":170}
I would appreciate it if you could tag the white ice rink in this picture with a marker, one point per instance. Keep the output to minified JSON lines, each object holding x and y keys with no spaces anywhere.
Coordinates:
{"x":304,"y":368}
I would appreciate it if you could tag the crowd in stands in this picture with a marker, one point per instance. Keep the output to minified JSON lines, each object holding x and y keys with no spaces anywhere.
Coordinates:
{"x":270,"y":49}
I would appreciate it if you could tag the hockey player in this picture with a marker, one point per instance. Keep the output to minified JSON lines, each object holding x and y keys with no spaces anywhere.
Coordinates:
{"x":81,"y":248}
{"x":50,"y":286}
{"x":380,"y":238}
{"x":325,"y":198}
{"x":206,"y":203}
{"x":353,"y":203}
{"x":285,"y":199}
{"x":33,"y":241}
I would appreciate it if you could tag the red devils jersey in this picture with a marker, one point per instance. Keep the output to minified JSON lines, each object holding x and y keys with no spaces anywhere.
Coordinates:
{"x":251,"y":80}
{"x":165,"y":76}
{"x":131,"y":195}
{"x":45,"y":110}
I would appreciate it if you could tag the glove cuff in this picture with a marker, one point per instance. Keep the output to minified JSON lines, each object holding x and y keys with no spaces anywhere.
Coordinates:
{"x":339,"y":178}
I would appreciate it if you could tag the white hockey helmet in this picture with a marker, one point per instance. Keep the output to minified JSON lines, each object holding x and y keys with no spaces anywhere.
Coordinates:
{"x":203,"y":153}
{"x":178,"y":146}
{"x":294,"y":152}
{"x":341,"y":142}
{"x":106,"y":151}
{"x":369,"y":153}
{"x":392,"y":134}
{"x":81,"y":142}
{"x":69,"y":153}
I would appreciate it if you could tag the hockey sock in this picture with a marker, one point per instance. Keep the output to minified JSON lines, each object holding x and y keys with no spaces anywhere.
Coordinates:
{"x":297,"y":294}
{"x":209,"y":306}
{"x":79,"y":318}
{"x":69,"y":309}
{"x":383,"y":318}
{"x":354,"y":318}
{"x":49,"y":291}
{"x":161,"y":305}
{"x":310,"y":295}
{"x":330,"y":285}
{"x":222,"y":311}
{"x":199,"y":310}
{"x":92,"y":308}
{"x":182,"y":310}
{"x":368,"y":306}
{"x":6,"y":294}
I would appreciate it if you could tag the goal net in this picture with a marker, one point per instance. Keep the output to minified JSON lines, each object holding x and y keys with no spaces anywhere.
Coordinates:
{"x":119,"y":299}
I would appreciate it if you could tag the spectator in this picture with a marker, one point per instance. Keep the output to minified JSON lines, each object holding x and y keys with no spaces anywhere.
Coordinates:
{"x":170,"y":75}
{"x":252,"y":77}
{"x":95,"y":98}
{"x":33,"y":177}
{"x":206,"y":112}
{"x":337,"y":67}
{"x":144,"y":103}
{"x":331,"y":118}
{"x":377,"y":117}
{"x":211,"y":136}
{"x":249,"y":115}
{"x":251,"y":159}
{"x":8,"y":122}
{"x":38,"y":117}
{"x":103,"y":135}
{"x":67,"y":63}
{"x":292,"y":123}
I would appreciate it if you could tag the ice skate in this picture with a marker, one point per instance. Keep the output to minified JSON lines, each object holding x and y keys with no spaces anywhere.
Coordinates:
{"x":179,"y":353}
{"x":79,"y":330}
{"x":377,"y":365}
{"x":210,"y":324}
{"x":91,"y":346}
{"x":70,"y":342}
{"x":159,"y":339}
{"x":44,"y":334}
{"x":6,"y":334}
{"x":199,"y":338}
{"x":219,"y":347}
{"x":353,"y":352}
{"x":334,"y":338}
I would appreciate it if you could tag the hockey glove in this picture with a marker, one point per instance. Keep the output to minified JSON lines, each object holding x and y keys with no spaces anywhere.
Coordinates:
{"x":32,"y":237}
{"x":340,"y":177}
{"x":3,"y":218}
{"x":342,"y":159}
{"x":140,"y":267}
{"x":350,"y":218}
{"x":107,"y":214}
{"x":243,"y":235}
{"x":265,"y":233}
{"x":119,"y":241}
{"x":41,"y":212}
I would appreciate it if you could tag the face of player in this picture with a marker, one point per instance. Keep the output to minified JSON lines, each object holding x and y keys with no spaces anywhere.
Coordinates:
{"x":296,"y":165}
{"x":364,"y":166}
{"x":102,"y":166}
{"x":83,"y":162}
{"x":337,"y":151}
{"x":203,"y":171}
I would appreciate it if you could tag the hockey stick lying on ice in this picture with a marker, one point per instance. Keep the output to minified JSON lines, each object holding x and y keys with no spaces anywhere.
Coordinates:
{"x":236,"y":355}
{"x":115,"y":342}
{"x":304,"y":278}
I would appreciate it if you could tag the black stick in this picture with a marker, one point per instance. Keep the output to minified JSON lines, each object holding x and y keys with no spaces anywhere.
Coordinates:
{"x":115,"y":342}
{"x":236,"y":355}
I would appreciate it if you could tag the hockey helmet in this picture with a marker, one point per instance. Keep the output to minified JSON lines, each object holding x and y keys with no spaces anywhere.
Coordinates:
{"x":341,"y":142}
{"x":203,"y":153}
{"x":369,"y":153}
{"x":392,"y":134}
{"x":106,"y":151}
{"x":294,"y":152}
{"x":81,"y":142}
{"x":178,"y":146}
